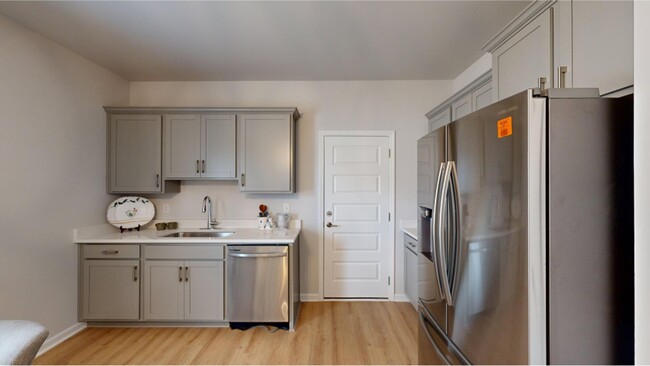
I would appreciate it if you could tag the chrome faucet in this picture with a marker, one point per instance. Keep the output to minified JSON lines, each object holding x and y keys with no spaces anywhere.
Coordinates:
{"x":207,"y":207}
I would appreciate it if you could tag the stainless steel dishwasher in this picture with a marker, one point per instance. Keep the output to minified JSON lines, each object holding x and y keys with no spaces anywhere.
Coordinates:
{"x":258,"y":286}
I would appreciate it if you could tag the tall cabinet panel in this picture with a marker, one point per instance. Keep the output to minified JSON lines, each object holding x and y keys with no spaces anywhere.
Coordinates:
{"x":266,"y":153}
{"x":603,"y":44}
{"x":111,"y":290}
{"x":182,"y":146}
{"x":218,"y":151}
{"x":524,"y":58}
{"x":134,"y":153}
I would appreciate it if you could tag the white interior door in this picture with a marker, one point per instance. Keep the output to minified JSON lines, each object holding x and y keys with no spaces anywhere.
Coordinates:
{"x":356,"y":197}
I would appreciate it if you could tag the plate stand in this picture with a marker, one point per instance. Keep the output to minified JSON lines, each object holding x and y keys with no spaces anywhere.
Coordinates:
{"x":129,"y":229}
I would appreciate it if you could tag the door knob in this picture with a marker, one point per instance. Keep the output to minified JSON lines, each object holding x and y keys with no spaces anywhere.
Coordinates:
{"x":329,"y":224}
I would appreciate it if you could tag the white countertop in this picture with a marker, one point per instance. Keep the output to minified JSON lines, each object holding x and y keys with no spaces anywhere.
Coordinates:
{"x":245,"y":232}
{"x":409,"y":227}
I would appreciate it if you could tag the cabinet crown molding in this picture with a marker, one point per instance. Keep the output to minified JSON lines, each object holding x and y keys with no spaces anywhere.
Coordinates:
{"x":521,"y":20}
{"x":185,"y":110}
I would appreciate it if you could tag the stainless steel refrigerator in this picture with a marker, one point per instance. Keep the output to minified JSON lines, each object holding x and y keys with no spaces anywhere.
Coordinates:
{"x":526,"y":233}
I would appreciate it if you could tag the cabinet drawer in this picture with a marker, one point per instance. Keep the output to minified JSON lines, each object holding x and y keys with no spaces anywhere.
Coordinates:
{"x":184,"y":252}
{"x":112,"y":251}
{"x":410,"y":242}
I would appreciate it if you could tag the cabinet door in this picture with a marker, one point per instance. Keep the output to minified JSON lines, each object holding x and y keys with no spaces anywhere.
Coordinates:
{"x":111,"y":290}
{"x":218,"y":146}
{"x":462,"y":107}
{"x":163,"y":290}
{"x":443,"y":118}
{"x":266,"y":153}
{"x":410,"y":269}
{"x":204,"y":290}
{"x":182,"y":146}
{"x":482,"y":97}
{"x":524,"y":58}
{"x":135,"y":153}
{"x":603,"y":44}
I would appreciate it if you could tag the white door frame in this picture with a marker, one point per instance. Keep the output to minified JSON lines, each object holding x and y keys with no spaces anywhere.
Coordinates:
{"x":391,"y":204}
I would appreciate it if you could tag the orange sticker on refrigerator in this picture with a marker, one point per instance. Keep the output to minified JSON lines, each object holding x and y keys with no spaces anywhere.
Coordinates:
{"x":504,"y":127}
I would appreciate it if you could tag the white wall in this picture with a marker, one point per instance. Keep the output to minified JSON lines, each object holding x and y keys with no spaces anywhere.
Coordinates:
{"x":642,"y":180}
{"x":52,"y":171}
{"x":332,"y":105}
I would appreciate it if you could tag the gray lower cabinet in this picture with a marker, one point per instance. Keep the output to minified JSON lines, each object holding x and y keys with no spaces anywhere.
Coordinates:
{"x":179,"y":284}
{"x":462,"y":107}
{"x":411,"y":269}
{"x":200,"y":146}
{"x":111,"y":289}
{"x":266,"y":153}
{"x":134,"y":154}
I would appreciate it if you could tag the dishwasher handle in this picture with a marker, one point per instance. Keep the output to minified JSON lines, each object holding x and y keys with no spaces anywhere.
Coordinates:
{"x":257,"y":255}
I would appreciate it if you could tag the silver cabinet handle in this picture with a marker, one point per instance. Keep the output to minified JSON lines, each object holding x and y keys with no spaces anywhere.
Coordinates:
{"x":157,"y":180}
{"x":180,"y":274}
{"x":202,"y":166}
{"x":187,"y":274}
{"x":110,"y":251}
{"x":561,"y":75}
{"x":257,"y":255}
{"x":243,"y":180}
{"x":197,"y":167}
{"x":329,"y":224}
{"x":135,"y":274}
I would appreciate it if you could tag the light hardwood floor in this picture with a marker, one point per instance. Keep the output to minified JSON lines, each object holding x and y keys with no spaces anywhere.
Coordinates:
{"x":326,"y":333}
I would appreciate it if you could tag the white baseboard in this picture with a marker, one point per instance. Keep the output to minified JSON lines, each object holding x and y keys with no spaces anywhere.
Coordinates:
{"x":54,"y":340}
{"x":309,"y":297}
{"x":401,"y":298}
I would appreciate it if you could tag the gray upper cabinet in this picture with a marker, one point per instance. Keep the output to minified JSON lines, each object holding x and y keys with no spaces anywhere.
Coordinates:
{"x":200,"y":146}
{"x":134,"y":154}
{"x":603,"y":44}
{"x":582,"y":44}
{"x":218,"y":146}
{"x":482,"y":97}
{"x":462,"y":107}
{"x":442,"y":118}
{"x":524,"y":58}
{"x":266,"y":153}
{"x":472,"y":97}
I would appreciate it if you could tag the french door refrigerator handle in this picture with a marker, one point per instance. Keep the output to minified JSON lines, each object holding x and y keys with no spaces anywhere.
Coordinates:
{"x":458,"y":248}
{"x":442,"y":253}
{"x":425,"y":327}
{"x":435,"y":229}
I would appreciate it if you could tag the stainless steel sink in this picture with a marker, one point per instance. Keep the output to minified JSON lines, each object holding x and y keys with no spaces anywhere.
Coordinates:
{"x":200,"y":234}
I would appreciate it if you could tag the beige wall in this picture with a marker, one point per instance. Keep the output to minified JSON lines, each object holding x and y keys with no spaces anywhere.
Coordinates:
{"x":52,"y":169}
{"x":642,"y":179}
{"x":331,"y":105}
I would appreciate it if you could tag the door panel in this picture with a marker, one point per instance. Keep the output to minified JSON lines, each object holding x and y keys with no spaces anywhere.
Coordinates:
{"x":183,"y":146}
{"x":204,"y":290}
{"x":489,"y":320}
{"x":218,"y":141}
{"x":135,"y":161}
{"x":163,"y":290}
{"x":356,"y":191}
{"x":111,"y":290}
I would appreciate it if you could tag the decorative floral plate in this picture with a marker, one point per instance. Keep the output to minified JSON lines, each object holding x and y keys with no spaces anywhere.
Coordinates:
{"x":130,"y":212}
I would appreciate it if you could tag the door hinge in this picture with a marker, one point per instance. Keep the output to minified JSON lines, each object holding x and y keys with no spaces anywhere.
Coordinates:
{"x":388,"y":280}
{"x":389,"y":217}
{"x":389,"y":153}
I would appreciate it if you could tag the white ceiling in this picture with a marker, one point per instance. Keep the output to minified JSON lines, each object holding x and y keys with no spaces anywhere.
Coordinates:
{"x":268,"y":40}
